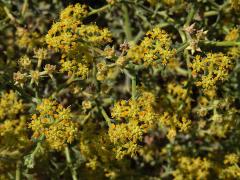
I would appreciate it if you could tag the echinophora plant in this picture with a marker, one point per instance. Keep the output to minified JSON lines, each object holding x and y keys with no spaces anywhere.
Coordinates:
{"x":120,"y":89}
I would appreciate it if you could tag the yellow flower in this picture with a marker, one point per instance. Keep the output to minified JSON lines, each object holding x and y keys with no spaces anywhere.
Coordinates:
{"x":40,"y":54}
{"x":13,"y":134}
{"x":76,"y":11}
{"x":173,"y":122}
{"x":94,"y":35}
{"x":24,"y":62}
{"x":135,"y":117}
{"x":55,"y":123}
{"x":35,"y":75}
{"x":72,"y":67}
{"x":231,"y":159}
{"x":213,"y":68}
{"x":192,"y":168}
{"x":69,"y":33}
{"x":233,"y":35}
{"x":155,"y":46}
{"x":10,"y":105}
{"x":235,"y":4}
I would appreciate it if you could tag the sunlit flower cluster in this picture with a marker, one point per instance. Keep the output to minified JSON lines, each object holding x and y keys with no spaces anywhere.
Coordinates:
{"x":69,"y":33}
{"x":10,"y":105}
{"x":192,"y":168}
{"x":214,"y":68}
{"x":54,"y":122}
{"x":231,"y":169}
{"x":156,"y":46}
{"x":235,"y":4}
{"x":134,"y":118}
{"x":174,"y":123}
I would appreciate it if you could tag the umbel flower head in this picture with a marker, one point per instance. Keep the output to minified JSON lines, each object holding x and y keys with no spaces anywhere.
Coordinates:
{"x":10,"y":105}
{"x":70,"y":32}
{"x":192,"y":168}
{"x":54,"y":122}
{"x":213,"y":68}
{"x":76,"y":40}
{"x":134,"y":118}
{"x":235,"y":4}
{"x":155,"y":46}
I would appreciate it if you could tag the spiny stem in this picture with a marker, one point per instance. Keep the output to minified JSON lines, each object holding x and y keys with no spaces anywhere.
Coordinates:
{"x":107,"y":119}
{"x":187,"y":57}
{"x":134,"y":86}
{"x":220,"y":43}
{"x":134,"y":83}
{"x":95,"y":11}
{"x":210,"y":43}
{"x":127,"y":25}
{"x":182,"y":47}
{"x":10,"y":16}
{"x":36,"y":149}
{"x":190,"y":16}
{"x":211,"y":13}
{"x":18,"y":170}
{"x":69,"y":163}
{"x":24,"y":7}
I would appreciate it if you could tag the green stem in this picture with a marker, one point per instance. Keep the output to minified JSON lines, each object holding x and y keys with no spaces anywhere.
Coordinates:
{"x":95,"y":11}
{"x":211,"y":13}
{"x":190,"y":16}
{"x":10,"y":16}
{"x":217,"y":6}
{"x":24,"y":7}
{"x":36,"y":149}
{"x":220,"y":43}
{"x":134,"y":87}
{"x":18,"y":170}
{"x":108,"y":120}
{"x":134,"y":83}
{"x":127,"y":25}
{"x":182,"y":47}
{"x":69,"y":163}
{"x":39,"y":63}
{"x":187,"y":57}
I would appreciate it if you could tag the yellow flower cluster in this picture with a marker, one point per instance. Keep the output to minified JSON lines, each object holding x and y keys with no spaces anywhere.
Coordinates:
{"x":231,"y":159}
{"x":75,"y":40}
{"x":95,"y":146}
{"x":173,"y":122}
{"x":213,"y":68}
{"x":27,"y":39}
{"x":94,"y":35}
{"x":222,"y":116}
{"x":72,"y":67}
{"x":192,"y":168}
{"x":233,"y":35}
{"x":180,"y":97}
{"x":24,"y":62}
{"x":235,"y":4}
{"x":231,"y":169}
{"x":63,"y":34}
{"x":134,"y":118}
{"x":13,"y":135}
{"x":70,"y":32}
{"x":155,"y":46}
{"x":54,"y":122}
{"x":222,"y":124}
{"x":10,"y":105}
